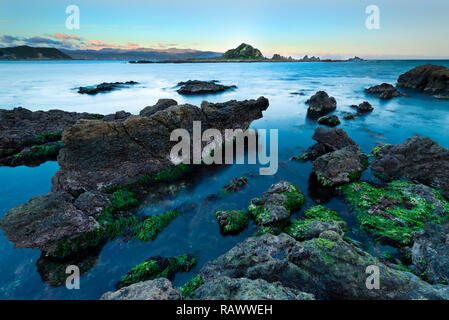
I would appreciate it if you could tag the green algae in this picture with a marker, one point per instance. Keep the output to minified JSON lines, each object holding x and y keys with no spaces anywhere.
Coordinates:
{"x":190,"y":286}
{"x":232,"y":222}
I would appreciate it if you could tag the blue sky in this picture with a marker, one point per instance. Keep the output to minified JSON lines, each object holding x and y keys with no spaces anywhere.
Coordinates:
{"x":327,"y":28}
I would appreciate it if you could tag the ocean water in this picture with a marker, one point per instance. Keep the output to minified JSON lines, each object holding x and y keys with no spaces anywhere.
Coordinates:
{"x":51,"y":85}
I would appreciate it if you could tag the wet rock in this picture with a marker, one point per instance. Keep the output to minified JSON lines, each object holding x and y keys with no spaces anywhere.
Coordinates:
{"x":105,"y":87}
{"x":276,"y":204}
{"x":340,"y":166}
{"x":21,"y":128}
{"x":429,"y":78}
{"x":159,"y":289}
{"x":417,"y":159}
{"x":320,"y":104}
{"x":430,"y":253}
{"x":161,"y":104}
{"x":118,"y":116}
{"x":194,"y":87}
{"x":326,"y":269}
{"x":384,"y":91}
{"x":225,"y":288}
{"x":232,"y":222}
{"x":364,"y":107}
{"x":330,"y":121}
{"x":44,"y":221}
{"x":349,"y":116}
{"x":98,"y":153}
{"x":92,"y":202}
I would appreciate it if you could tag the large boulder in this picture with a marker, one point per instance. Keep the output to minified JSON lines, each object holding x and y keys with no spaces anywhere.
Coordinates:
{"x":384,"y":91}
{"x":195,"y":87}
{"x":161,"y":104}
{"x":99,"y":153}
{"x":320,"y":104}
{"x":44,"y":221}
{"x":225,"y":288}
{"x":340,"y":166}
{"x":417,"y":159}
{"x":430,"y":253}
{"x":158,"y":289}
{"x":429,"y":78}
{"x":327,"y":269}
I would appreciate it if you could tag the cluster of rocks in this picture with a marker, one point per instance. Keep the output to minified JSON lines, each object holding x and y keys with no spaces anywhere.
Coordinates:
{"x":105,"y":87}
{"x":196,"y":87}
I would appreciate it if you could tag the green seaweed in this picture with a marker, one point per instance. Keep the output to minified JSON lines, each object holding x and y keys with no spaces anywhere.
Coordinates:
{"x":148,"y":229}
{"x":232,"y":222}
{"x":190,"y":286}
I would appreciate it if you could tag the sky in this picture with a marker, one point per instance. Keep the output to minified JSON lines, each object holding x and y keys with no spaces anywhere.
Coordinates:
{"x":325,"y":28}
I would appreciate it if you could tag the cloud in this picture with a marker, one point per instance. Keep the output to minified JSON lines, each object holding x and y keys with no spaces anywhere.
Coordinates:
{"x":63,"y":36}
{"x":8,"y":40}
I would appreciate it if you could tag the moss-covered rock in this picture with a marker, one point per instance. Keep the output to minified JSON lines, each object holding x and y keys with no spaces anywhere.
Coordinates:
{"x":330,"y":121}
{"x":232,"y":222}
{"x":394,"y":213}
{"x":158,"y":267}
{"x":190,"y":286}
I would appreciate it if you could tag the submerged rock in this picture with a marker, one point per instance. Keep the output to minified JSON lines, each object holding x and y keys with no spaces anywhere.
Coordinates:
{"x":194,"y":87}
{"x":44,"y":221}
{"x":324,"y":268}
{"x":330,"y":121}
{"x":320,"y":104}
{"x":384,"y":91}
{"x":158,"y":289}
{"x":417,"y":159}
{"x":105,"y":87}
{"x":429,"y":78}
{"x":225,"y":288}
{"x":430,"y":253}
{"x":161,"y":104}
{"x":340,"y":166}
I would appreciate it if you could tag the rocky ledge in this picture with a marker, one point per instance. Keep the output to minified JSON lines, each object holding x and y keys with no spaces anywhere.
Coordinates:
{"x":105,"y":87}
{"x":417,"y":159}
{"x":384,"y":91}
{"x":428,"y":78}
{"x":196,"y":87}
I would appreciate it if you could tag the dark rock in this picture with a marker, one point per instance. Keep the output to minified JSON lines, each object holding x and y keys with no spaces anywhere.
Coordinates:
{"x":105,"y":87}
{"x":92,"y":202}
{"x":364,"y":107}
{"x":320,"y":104}
{"x":159,"y":289}
{"x":417,"y":159}
{"x":340,"y":166}
{"x":330,"y":121}
{"x":349,"y":116}
{"x":429,"y":78}
{"x":193,"y":87}
{"x":118,"y":116}
{"x":225,"y":288}
{"x":384,"y":91}
{"x":327,"y":269}
{"x":161,"y":104}
{"x":45,"y":221}
{"x":430,"y":253}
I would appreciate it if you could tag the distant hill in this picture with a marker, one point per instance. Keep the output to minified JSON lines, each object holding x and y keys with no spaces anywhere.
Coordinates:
{"x":141,"y":54}
{"x":31,"y":53}
{"x":243,"y":52}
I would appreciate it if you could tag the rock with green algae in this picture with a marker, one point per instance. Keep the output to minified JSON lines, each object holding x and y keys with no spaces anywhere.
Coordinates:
{"x":327,"y":269}
{"x":318,"y":220}
{"x":395,"y":213}
{"x":158,"y":289}
{"x":158,"y":267}
{"x":330,"y":121}
{"x":232,"y":222}
{"x":190,"y":286}
{"x":276,"y":204}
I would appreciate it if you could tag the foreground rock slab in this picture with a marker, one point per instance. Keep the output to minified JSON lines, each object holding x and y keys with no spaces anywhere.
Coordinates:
{"x":428,"y":78}
{"x":417,"y":159}
{"x":158,"y":289}
{"x":196,"y":87}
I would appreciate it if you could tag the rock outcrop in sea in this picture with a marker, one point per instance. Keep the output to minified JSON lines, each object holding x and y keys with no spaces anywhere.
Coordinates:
{"x":197,"y":87}
{"x":428,"y":78}
{"x":384,"y":91}
{"x":105,"y":87}
{"x":320,"y":104}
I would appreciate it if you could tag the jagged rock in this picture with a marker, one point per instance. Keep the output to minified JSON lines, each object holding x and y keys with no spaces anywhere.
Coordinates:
{"x":193,"y":87}
{"x":161,"y":104}
{"x":328,"y":140}
{"x":225,"y":288}
{"x":340,"y":166}
{"x":118,"y":116}
{"x":326,"y":269}
{"x":330,"y":121}
{"x":364,"y":107}
{"x":105,"y":87}
{"x":99,"y":153}
{"x":384,"y":91}
{"x":158,"y":289}
{"x":44,"y":221}
{"x":430,"y":253}
{"x":320,"y":104}
{"x":429,"y":78}
{"x":417,"y":159}
{"x":22,"y":128}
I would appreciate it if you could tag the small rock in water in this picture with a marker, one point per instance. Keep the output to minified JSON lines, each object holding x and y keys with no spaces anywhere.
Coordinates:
{"x":320,"y":104}
{"x":364,"y":107}
{"x":194,"y":87}
{"x":105,"y":87}
{"x":330,"y":121}
{"x":384,"y":91}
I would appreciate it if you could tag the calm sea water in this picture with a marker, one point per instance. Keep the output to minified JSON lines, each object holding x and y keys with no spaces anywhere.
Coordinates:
{"x":50,"y":85}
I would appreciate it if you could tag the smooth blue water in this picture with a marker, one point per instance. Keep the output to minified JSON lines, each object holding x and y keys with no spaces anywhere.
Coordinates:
{"x":49,"y":85}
